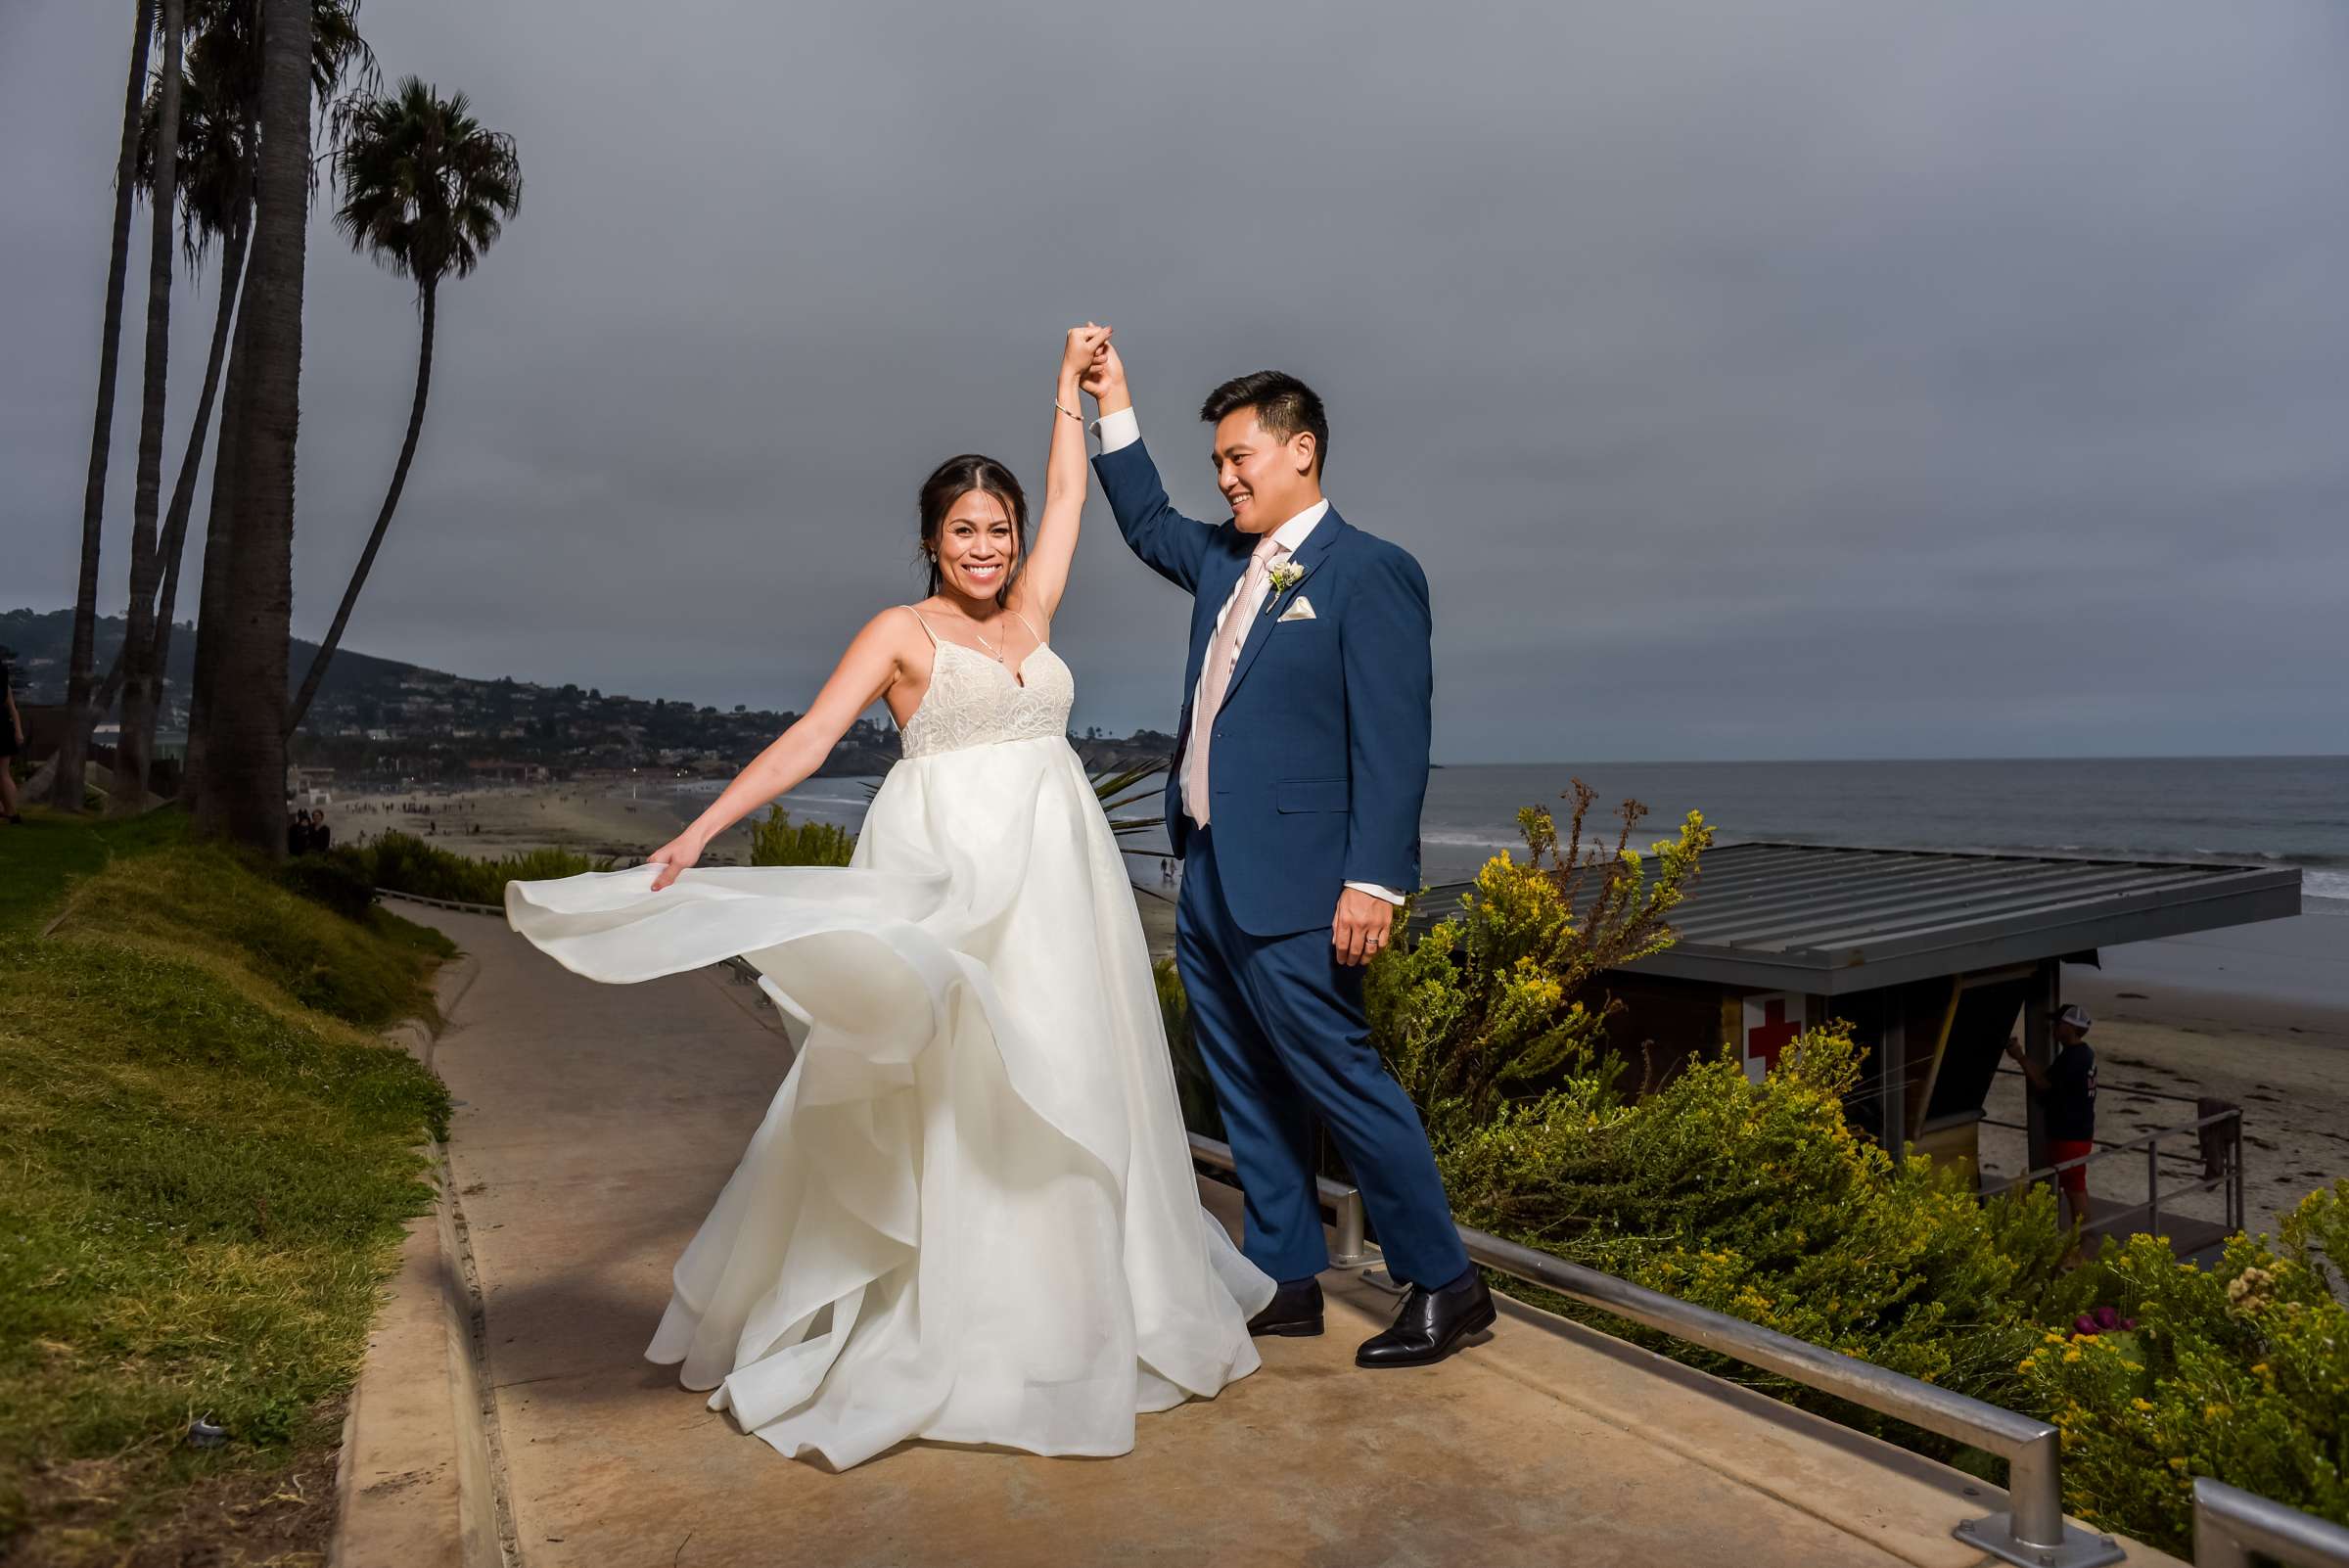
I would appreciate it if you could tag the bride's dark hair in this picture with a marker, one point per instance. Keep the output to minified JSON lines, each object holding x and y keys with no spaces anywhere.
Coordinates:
{"x":950,"y":482}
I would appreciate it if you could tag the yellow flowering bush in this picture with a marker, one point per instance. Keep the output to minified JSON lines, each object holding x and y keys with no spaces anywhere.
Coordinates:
{"x":2239,"y":1371}
{"x":1755,"y":1199}
{"x":1495,"y":1002}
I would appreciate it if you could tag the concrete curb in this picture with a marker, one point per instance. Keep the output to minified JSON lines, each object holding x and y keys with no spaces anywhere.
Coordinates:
{"x":418,"y":1483}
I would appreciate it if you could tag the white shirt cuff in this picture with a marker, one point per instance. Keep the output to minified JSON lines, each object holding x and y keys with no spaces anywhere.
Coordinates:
{"x":1116,"y":431}
{"x":1376,"y":892}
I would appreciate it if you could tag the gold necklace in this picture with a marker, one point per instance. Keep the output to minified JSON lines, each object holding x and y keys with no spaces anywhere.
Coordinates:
{"x":995,"y":653}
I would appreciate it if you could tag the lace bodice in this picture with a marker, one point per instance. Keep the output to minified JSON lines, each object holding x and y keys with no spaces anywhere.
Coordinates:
{"x":974,"y":700}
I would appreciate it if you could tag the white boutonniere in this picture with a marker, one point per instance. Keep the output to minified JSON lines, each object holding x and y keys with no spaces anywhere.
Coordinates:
{"x":1283,"y":575}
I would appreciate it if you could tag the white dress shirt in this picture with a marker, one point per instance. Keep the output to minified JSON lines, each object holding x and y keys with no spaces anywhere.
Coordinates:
{"x":1121,"y":429}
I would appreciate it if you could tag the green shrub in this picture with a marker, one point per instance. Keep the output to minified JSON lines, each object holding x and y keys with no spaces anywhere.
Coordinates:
{"x":2239,"y":1371}
{"x":400,"y":862}
{"x":1501,"y":999}
{"x":776,"y":840}
{"x":336,"y":879}
{"x":1758,"y":1200}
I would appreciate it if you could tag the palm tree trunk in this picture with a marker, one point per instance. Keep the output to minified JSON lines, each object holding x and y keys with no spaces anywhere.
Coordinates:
{"x":219,"y":546}
{"x":382,"y":521}
{"x":72,"y":749}
{"x":158,"y":653}
{"x":245,"y":763}
{"x":130,"y":793}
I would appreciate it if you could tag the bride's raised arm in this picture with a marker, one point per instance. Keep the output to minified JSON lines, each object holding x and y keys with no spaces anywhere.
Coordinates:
{"x":1046,"y":576}
{"x":867,"y":670}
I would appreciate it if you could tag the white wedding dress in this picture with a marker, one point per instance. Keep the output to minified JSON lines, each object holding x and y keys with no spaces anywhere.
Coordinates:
{"x":969,"y":1214}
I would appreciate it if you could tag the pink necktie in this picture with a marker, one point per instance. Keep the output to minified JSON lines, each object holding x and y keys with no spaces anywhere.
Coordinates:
{"x":1229,"y":637}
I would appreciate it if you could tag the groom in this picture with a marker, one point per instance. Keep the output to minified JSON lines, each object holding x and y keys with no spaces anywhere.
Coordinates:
{"x":1294,"y":802}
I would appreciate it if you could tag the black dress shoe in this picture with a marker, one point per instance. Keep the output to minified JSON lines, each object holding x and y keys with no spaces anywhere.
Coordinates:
{"x":1431,"y":1325}
{"x":1295,"y":1311}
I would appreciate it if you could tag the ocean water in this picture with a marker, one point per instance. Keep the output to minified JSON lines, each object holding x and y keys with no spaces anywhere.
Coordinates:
{"x":2289,"y":811}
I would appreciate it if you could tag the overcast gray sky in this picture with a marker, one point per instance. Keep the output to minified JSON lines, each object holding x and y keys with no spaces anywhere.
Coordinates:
{"x":1833,"y":378}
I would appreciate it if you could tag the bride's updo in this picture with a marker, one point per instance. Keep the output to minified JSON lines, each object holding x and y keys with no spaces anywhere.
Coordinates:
{"x":949,"y":482}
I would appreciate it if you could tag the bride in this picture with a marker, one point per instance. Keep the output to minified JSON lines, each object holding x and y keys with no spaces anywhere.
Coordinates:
{"x":969,"y":1214}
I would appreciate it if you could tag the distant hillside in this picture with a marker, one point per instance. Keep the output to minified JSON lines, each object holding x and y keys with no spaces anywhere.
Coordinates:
{"x":43,"y":641}
{"x":380,"y":717}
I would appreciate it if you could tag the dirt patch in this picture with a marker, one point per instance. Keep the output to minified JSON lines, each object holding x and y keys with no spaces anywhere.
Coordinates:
{"x":85,"y":1514}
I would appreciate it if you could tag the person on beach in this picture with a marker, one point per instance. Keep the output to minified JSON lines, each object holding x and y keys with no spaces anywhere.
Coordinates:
{"x":970,"y":1212}
{"x":2066,"y":1090}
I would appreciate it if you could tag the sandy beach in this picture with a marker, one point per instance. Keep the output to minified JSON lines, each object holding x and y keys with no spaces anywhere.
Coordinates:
{"x":622,"y":822}
{"x":2256,"y":1015}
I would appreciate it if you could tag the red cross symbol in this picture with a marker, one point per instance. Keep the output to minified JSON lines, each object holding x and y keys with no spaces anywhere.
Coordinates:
{"x":1775,"y":1032}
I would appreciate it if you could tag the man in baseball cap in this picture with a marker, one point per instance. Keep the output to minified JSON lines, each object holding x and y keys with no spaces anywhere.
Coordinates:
{"x":2066,"y":1090}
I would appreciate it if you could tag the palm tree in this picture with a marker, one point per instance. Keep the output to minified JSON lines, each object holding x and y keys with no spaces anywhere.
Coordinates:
{"x":226,"y":58}
{"x":244,"y":797}
{"x":73,"y":752}
{"x":426,"y":190}
{"x":129,"y":791}
{"x":216,"y":147}
{"x":215,"y":202}
{"x":216,"y":184}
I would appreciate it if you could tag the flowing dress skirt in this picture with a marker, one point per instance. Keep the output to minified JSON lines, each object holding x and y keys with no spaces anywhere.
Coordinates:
{"x":969,"y":1214}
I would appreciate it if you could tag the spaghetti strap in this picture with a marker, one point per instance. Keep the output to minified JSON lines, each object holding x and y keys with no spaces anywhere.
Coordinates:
{"x":923,"y":619}
{"x":1031,"y":626}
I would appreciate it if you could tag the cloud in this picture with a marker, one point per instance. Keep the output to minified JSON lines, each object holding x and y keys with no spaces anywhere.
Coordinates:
{"x":1841,"y":378}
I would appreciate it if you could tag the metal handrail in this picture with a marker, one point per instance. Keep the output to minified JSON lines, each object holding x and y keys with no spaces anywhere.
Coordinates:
{"x":444,"y":903}
{"x":2231,"y":1524}
{"x":2231,"y":1113}
{"x":2228,"y":1183}
{"x":2033,"y":1534}
{"x":2103,"y":1147}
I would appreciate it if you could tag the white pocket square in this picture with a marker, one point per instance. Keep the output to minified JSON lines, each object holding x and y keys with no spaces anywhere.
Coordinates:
{"x":1300,"y":608}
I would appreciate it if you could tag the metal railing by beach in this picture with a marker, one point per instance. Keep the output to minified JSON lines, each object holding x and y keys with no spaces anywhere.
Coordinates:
{"x":2231,"y":1524}
{"x":2032,"y":1532}
{"x":2217,"y":1143}
{"x":444,"y":903}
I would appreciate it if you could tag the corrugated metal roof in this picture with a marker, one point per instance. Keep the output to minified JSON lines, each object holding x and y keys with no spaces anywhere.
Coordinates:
{"x":1822,"y":919}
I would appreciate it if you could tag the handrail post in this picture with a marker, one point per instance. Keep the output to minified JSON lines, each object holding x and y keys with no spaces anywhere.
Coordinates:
{"x":2035,"y":1488}
{"x":2033,"y":1533}
{"x":1351,"y":1249}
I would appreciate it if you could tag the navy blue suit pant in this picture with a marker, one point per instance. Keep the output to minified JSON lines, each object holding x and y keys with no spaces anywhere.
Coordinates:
{"x":1280,"y":1026}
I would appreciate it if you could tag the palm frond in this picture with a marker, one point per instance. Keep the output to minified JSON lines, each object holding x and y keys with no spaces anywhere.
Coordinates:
{"x":426,"y":188}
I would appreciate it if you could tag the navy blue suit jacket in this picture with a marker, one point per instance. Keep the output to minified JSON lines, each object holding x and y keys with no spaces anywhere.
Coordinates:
{"x":1320,"y":757}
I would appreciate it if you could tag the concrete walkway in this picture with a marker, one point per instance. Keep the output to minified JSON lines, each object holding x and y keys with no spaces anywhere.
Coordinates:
{"x":595,"y":1125}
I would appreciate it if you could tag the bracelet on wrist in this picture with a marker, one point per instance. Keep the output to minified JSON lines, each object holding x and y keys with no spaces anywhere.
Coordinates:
{"x":1071,"y":412}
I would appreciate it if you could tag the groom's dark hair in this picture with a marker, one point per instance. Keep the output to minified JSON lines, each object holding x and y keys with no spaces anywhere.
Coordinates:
{"x":1283,"y":404}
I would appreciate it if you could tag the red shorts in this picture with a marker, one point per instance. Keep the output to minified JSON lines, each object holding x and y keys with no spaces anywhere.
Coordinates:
{"x":2074,"y":1180}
